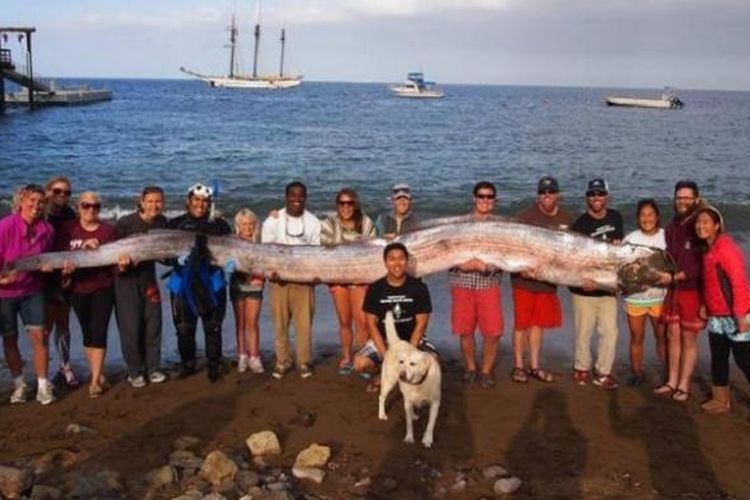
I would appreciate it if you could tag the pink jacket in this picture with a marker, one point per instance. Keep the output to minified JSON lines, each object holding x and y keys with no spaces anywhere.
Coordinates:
{"x":728,"y":255}
{"x":19,"y":239}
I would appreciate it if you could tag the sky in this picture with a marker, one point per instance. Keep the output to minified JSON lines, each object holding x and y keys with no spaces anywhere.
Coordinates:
{"x":604,"y":43}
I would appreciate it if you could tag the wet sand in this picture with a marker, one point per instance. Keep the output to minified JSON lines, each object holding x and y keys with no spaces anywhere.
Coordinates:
{"x":562,"y":440}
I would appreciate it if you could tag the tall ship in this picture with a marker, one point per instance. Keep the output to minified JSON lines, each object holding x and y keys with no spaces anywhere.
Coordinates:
{"x":238,"y":80}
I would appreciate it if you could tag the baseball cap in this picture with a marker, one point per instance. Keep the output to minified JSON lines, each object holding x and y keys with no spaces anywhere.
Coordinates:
{"x":401,"y":190}
{"x":200,"y":190}
{"x":597,"y":185}
{"x":548,"y":183}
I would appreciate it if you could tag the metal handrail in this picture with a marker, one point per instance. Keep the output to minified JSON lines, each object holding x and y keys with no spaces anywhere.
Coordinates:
{"x":5,"y":58}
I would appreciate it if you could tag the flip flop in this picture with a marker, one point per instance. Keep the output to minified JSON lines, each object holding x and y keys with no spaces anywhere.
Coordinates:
{"x":365,"y":375}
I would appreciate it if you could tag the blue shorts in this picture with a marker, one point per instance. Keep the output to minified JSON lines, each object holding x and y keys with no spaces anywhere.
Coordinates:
{"x":31,"y":309}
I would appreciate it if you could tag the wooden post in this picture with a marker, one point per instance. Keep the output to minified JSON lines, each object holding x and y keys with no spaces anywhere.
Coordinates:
{"x":31,"y":70}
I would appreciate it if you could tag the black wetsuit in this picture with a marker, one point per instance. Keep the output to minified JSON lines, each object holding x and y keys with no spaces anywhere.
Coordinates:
{"x":185,"y":321}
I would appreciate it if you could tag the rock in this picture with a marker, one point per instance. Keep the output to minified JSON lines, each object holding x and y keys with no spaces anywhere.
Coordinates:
{"x":14,"y":482}
{"x":214,"y":496}
{"x":217,"y":467}
{"x":226,"y":487}
{"x":53,"y":459}
{"x":42,"y":492}
{"x":277,"y":486}
{"x":459,"y":486}
{"x":190,"y":495}
{"x":246,"y":479}
{"x":195,"y":483}
{"x":185,"y":460}
{"x":314,"y":456}
{"x":507,"y":485}
{"x":105,"y":484}
{"x":313,"y":474}
{"x":263,"y":443}
{"x":160,"y":477}
{"x":78,"y":429}
{"x":494,"y":471}
{"x":387,"y":484}
{"x":185,"y":443}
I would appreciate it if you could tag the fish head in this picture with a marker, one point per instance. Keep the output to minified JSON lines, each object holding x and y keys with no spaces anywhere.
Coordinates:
{"x":643,"y":272}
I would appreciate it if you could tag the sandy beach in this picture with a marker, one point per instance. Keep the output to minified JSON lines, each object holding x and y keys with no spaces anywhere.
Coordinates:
{"x":561,"y":440}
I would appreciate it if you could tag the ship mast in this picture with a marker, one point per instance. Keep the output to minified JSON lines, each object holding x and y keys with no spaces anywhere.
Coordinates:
{"x":257,"y":41}
{"x":232,"y":46}
{"x":281,"y":64}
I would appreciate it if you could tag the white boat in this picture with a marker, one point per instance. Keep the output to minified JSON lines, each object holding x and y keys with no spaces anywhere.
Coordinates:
{"x":668,"y":100}
{"x":416,"y":87}
{"x":238,"y":80}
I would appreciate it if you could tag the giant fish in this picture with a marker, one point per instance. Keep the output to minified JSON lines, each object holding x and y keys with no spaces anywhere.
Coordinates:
{"x":555,"y":256}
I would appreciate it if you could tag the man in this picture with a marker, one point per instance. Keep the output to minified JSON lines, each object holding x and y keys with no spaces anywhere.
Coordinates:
{"x":185,"y":315}
{"x":402,"y":220}
{"x":137,"y":300}
{"x":476,"y":300}
{"x":683,"y":301}
{"x":592,"y":308}
{"x":535,"y":303}
{"x":409,"y":300}
{"x":292,"y":225}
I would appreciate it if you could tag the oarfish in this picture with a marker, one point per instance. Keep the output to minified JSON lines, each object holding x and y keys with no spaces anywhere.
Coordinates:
{"x":555,"y":256}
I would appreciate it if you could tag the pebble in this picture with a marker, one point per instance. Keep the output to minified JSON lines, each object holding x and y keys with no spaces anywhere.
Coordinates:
{"x":160,"y":477}
{"x":77,"y":429}
{"x":313,"y":474}
{"x":218,"y":467}
{"x":42,"y":492}
{"x":459,"y":486}
{"x":494,"y":471}
{"x":507,"y":485}
{"x":14,"y":482}
{"x":185,"y":459}
{"x":263,"y":443}
{"x":185,"y":443}
{"x":246,"y":479}
{"x":277,"y":486}
{"x":387,"y":484}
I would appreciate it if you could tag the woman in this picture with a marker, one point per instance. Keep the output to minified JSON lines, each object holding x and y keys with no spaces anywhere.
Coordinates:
{"x":246,"y":294}
{"x":727,"y":300}
{"x":92,"y":293}
{"x":57,"y":305}
{"x":646,"y":304}
{"x":22,"y":234}
{"x":347,"y":226}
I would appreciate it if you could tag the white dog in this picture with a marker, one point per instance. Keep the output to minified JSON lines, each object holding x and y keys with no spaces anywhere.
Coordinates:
{"x":418,"y":376}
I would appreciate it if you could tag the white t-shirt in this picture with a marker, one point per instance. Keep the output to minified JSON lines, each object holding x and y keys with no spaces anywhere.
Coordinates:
{"x":288,"y":230}
{"x":653,"y":295}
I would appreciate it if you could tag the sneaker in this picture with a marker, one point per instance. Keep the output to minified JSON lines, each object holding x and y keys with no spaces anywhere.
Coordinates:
{"x":157,"y":377}
{"x":243,"y":363}
{"x":581,"y":377}
{"x":70,"y":377}
{"x":280,"y":370}
{"x":138,"y":382}
{"x":20,"y":394}
{"x":45,"y":395}
{"x":607,"y":382}
{"x":255,"y":364}
{"x":305,"y":370}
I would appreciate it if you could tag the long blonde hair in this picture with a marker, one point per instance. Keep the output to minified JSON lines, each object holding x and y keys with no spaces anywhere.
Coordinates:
{"x":246,"y":212}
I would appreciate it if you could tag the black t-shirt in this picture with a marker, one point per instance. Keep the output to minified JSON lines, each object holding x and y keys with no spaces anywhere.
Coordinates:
{"x":406,"y":301}
{"x":143,"y":272}
{"x":211,"y":227}
{"x":607,"y":229}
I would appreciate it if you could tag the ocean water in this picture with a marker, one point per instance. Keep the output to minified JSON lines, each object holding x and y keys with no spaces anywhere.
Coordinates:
{"x":331,"y":135}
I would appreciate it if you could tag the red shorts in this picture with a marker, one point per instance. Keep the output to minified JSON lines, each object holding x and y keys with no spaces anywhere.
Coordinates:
{"x":472,"y":307}
{"x":541,"y":309}
{"x":682,"y":307}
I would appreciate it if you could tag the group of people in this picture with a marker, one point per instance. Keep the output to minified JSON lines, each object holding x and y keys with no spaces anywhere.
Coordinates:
{"x":709,"y":288}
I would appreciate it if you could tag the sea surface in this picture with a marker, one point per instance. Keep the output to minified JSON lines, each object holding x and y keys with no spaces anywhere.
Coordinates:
{"x":331,"y":135}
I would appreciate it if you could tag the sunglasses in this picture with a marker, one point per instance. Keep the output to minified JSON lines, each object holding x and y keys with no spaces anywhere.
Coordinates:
{"x":59,"y":191}
{"x":547,"y":191}
{"x":484,"y":196}
{"x":596,"y":194}
{"x":91,"y":206}
{"x":346,"y":203}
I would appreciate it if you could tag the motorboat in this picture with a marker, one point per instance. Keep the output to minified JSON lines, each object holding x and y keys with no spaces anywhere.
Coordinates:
{"x":416,"y":87}
{"x":668,"y":100}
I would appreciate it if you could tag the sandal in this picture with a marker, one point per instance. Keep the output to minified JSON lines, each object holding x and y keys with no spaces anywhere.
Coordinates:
{"x":665,"y":390}
{"x":365,"y":375}
{"x":681,"y":396}
{"x":373,"y":386}
{"x":541,"y":375}
{"x":346,"y":368}
{"x":519,"y":375}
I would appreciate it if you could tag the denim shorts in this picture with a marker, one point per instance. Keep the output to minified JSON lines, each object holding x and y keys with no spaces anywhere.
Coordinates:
{"x":31,"y":309}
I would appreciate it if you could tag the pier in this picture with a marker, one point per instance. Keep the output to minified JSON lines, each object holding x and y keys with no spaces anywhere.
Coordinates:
{"x":35,"y":92}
